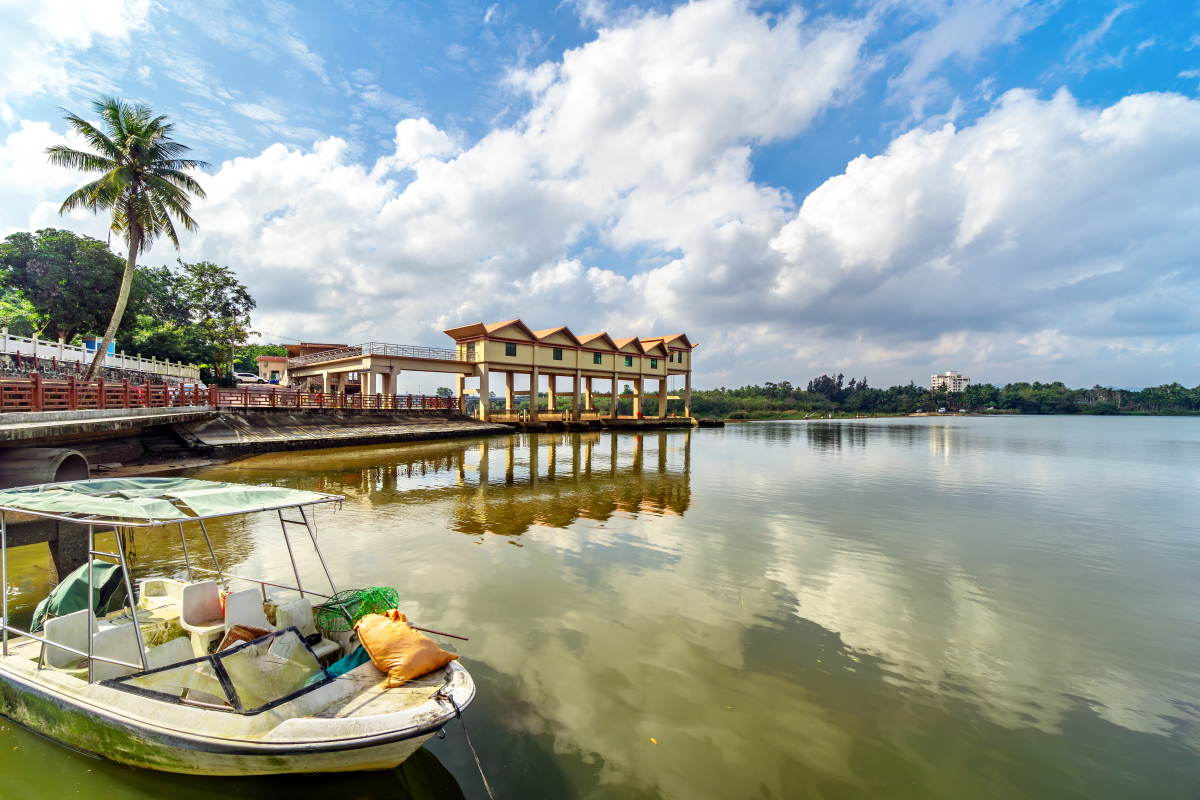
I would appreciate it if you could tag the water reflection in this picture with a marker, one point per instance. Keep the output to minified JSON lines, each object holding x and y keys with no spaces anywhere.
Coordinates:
{"x":941,"y":608}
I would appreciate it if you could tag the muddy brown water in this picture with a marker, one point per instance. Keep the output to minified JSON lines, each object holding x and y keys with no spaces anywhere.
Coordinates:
{"x":999,"y":608}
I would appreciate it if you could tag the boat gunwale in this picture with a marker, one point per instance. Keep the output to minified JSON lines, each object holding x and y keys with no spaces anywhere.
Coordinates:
{"x":212,"y":744}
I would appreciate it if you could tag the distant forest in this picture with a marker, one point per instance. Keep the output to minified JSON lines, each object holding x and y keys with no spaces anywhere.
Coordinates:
{"x":831,"y":394}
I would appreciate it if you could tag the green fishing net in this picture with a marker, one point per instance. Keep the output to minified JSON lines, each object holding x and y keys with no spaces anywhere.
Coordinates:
{"x":345,"y":609}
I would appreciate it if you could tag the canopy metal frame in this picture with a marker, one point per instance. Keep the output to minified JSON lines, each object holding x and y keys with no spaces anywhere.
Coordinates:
{"x":92,"y":521}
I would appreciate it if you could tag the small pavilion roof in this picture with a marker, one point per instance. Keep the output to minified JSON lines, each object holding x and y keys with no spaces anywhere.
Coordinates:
{"x":563,"y":329}
{"x":622,"y":342}
{"x":591,"y":337}
{"x":478,"y":329}
{"x":672,"y":339}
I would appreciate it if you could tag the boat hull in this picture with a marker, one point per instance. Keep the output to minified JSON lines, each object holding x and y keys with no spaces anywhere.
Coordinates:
{"x":93,"y":730}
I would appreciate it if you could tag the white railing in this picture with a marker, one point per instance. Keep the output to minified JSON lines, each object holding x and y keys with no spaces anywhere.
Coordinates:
{"x":380,"y":349}
{"x":61,"y":352}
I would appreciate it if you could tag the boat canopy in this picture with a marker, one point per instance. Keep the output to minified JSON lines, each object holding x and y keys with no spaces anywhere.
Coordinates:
{"x":145,"y":502}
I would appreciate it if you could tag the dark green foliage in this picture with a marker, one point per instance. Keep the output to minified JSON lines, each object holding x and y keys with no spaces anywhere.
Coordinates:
{"x":71,"y":281}
{"x":247,"y":355}
{"x":830,"y":394}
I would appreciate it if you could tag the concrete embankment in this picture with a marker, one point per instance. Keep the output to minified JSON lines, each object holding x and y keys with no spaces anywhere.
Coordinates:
{"x":124,"y":436}
{"x":238,"y":432}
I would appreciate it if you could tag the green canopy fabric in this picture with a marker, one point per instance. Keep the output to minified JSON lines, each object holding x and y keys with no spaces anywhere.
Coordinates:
{"x":143,"y":501}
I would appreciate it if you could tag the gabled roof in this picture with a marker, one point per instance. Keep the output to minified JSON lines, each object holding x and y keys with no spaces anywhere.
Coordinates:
{"x":650,"y":345}
{"x":622,"y":343}
{"x":480,"y":329}
{"x":563,"y":329}
{"x":675,"y":339}
{"x":593,"y":337}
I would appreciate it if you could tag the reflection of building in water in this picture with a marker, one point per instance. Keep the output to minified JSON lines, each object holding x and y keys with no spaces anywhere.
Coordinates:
{"x":504,"y":485}
{"x":556,"y":479}
{"x":835,"y":435}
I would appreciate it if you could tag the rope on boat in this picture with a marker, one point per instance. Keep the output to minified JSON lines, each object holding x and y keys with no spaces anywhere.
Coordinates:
{"x":442,"y":693}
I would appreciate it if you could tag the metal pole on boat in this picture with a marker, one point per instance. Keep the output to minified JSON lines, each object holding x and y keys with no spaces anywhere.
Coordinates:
{"x":312,"y":534}
{"x":137,"y":628}
{"x":4,"y":576}
{"x":91,"y":610}
{"x":288,"y":542}
{"x":186,"y":561}
{"x":212,"y":553}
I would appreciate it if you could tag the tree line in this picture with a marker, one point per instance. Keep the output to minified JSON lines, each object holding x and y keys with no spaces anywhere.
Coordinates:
{"x":831,"y":394}
{"x":58,"y":284}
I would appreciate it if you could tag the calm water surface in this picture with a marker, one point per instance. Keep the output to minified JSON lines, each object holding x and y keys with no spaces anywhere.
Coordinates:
{"x":975,"y":608}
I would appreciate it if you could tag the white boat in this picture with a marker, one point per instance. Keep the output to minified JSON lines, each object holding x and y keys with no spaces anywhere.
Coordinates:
{"x":143,"y":689}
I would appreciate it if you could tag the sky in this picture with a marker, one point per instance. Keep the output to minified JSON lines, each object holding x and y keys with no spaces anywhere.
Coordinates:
{"x":1006,"y":188}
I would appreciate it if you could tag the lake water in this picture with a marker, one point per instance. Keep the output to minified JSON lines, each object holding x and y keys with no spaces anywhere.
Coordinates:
{"x":911,"y":608}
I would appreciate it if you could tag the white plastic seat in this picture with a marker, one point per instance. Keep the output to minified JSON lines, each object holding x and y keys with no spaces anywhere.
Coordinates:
{"x":245,"y":608}
{"x":300,"y":613}
{"x":172,"y":652}
{"x":200,"y":614}
{"x":70,"y":630}
{"x":119,"y":642}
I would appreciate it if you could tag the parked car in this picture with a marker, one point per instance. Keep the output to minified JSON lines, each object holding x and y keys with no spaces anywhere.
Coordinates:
{"x":248,"y":377}
{"x":188,"y":387}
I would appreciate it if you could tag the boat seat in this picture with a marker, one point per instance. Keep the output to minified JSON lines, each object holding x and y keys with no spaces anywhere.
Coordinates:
{"x":300,"y":613}
{"x":245,"y":608}
{"x":155,"y":592}
{"x":119,"y":642}
{"x":200,"y":614}
{"x":70,"y":630}
{"x":172,"y":652}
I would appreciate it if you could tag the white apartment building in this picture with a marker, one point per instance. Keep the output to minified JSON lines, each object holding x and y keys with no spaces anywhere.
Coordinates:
{"x":951,"y":382}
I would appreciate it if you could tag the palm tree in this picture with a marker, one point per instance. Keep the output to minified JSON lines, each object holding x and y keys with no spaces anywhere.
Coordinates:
{"x":144,"y":184}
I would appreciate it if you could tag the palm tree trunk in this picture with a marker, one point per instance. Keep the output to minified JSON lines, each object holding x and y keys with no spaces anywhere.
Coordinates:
{"x":135,"y":235}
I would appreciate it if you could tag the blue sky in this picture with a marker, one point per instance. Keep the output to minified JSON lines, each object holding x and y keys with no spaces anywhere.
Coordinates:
{"x":1024,"y":204}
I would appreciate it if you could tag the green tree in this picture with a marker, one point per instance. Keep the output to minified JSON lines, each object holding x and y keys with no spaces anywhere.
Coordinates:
{"x":220,"y":306}
{"x":247,"y":356}
{"x":143,"y":184}
{"x":69,"y":279}
{"x":19,"y":315}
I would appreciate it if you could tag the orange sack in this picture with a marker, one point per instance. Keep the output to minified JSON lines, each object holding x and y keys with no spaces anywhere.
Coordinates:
{"x":397,"y":649}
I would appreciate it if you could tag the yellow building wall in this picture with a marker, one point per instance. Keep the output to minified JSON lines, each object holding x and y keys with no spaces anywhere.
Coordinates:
{"x":545,"y":358}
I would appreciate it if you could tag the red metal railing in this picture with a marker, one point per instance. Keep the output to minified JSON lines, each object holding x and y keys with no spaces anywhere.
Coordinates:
{"x":35,"y":394}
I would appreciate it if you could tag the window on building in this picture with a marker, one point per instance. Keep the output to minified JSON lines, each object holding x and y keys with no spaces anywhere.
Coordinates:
{"x":654,"y":363}
{"x":510,"y":349}
{"x":629,"y":361}
{"x":558,"y":354}
{"x":671,"y":358}
{"x":470,"y":351}
{"x":596,"y":358}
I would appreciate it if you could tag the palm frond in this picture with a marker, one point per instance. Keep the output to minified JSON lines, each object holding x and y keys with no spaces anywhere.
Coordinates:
{"x":93,"y":136}
{"x":63,"y":156}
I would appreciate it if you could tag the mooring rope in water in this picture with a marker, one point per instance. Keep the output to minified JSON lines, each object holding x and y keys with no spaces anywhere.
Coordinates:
{"x":442,"y":692}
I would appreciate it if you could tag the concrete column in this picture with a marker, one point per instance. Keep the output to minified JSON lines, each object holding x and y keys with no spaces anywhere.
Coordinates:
{"x":662,"y":397}
{"x":460,"y":384}
{"x":388,"y":379}
{"x":509,"y":461}
{"x":366,"y":383}
{"x":587,"y":395}
{"x":687,"y":394}
{"x":533,"y":395}
{"x":552,"y":400}
{"x":484,"y":393}
{"x":637,"y":395}
{"x":575,"y":395}
{"x":508,"y":390}
{"x":324,"y":380}
{"x":615,"y":389}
